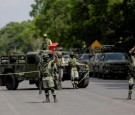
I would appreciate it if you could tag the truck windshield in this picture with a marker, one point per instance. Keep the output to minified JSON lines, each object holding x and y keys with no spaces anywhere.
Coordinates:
{"x":116,"y":57}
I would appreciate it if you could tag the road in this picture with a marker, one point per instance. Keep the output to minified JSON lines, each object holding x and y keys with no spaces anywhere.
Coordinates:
{"x":101,"y":97}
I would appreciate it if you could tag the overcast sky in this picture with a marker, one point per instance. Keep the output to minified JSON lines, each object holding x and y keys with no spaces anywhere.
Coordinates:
{"x":14,"y":11}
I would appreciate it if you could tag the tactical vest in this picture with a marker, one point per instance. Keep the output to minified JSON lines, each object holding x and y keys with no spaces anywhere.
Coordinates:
{"x":46,"y":69}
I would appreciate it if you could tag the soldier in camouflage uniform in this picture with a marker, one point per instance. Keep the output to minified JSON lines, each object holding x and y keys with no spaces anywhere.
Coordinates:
{"x":132,"y":53}
{"x":131,"y":82}
{"x":46,"y":42}
{"x":46,"y":68}
{"x":74,"y":72}
{"x":60,"y":64}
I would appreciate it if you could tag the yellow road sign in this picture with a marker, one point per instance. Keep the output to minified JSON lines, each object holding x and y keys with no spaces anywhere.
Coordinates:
{"x":96,"y":43}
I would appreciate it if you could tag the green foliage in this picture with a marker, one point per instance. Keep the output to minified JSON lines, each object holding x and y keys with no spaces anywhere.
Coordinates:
{"x":18,"y":37}
{"x":70,"y":22}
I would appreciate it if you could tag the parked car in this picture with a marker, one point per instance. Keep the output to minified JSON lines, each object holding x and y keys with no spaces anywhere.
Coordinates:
{"x":114,"y":64}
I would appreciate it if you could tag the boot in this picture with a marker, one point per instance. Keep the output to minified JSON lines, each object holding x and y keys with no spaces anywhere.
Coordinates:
{"x":76,"y":86}
{"x":73,"y":85}
{"x":55,"y":99}
{"x":47,"y":99}
{"x":129,"y":94}
{"x":129,"y":97}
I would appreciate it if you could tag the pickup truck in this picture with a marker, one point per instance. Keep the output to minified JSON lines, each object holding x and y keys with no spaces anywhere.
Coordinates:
{"x":114,"y":64}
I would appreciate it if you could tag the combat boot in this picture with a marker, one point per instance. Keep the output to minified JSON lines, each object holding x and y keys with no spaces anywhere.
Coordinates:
{"x":76,"y":86}
{"x":47,"y":99}
{"x":129,"y":94}
{"x":73,"y":85}
{"x":55,"y":99}
{"x":129,"y":97}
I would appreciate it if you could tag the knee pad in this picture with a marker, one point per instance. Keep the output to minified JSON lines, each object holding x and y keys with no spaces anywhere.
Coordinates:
{"x":53,"y":91}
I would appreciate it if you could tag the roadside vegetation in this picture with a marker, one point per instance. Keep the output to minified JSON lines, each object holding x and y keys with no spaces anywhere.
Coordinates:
{"x":70,"y":22}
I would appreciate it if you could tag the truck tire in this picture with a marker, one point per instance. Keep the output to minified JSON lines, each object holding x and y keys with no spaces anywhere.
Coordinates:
{"x":85,"y":82}
{"x":37,"y":84}
{"x":11,"y":82}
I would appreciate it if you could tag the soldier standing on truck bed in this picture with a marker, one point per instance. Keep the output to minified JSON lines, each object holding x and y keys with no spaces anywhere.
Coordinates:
{"x":46,"y":68}
{"x":46,"y":42}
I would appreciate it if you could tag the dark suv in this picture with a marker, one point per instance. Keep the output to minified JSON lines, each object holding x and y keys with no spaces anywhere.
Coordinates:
{"x":114,"y":64}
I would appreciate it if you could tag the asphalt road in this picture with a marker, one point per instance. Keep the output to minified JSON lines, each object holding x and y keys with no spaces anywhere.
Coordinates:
{"x":101,"y":97}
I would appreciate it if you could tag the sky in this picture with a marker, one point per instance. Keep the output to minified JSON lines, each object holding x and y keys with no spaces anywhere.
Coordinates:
{"x":14,"y":11}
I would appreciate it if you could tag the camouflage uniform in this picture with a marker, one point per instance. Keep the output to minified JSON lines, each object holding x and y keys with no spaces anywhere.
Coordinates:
{"x":46,"y":42}
{"x":74,"y":72}
{"x":47,"y":79}
{"x":132,"y":53}
{"x":131,"y":83}
{"x":60,"y":64}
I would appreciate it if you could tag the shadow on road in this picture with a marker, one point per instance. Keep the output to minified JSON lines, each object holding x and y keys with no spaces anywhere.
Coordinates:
{"x":20,"y":89}
{"x":120,"y":98}
{"x":27,"y":89}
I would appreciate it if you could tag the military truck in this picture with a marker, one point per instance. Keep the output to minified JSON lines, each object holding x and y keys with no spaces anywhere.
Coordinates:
{"x":17,"y":68}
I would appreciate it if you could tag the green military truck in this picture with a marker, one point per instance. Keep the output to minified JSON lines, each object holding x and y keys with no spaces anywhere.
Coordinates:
{"x":17,"y":68}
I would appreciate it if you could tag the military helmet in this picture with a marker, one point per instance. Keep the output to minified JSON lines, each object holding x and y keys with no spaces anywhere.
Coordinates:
{"x":45,"y":57}
{"x":45,"y":35}
{"x":59,"y":54}
{"x":71,"y":53}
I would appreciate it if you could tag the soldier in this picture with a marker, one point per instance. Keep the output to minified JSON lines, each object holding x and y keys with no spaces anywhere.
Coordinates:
{"x":46,"y":42}
{"x":74,"y":72}
{"x":131,"y":81}
{"x":60,"y":64}
{"x":84,"y":47}
{"x":132,"y":53}
{"x":46,"y":68}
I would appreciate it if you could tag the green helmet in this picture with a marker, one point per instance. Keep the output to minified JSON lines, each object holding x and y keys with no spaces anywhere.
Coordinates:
{"x":71,"y":53}
{"x":45,"y":35}
{"x":59,"y":54}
